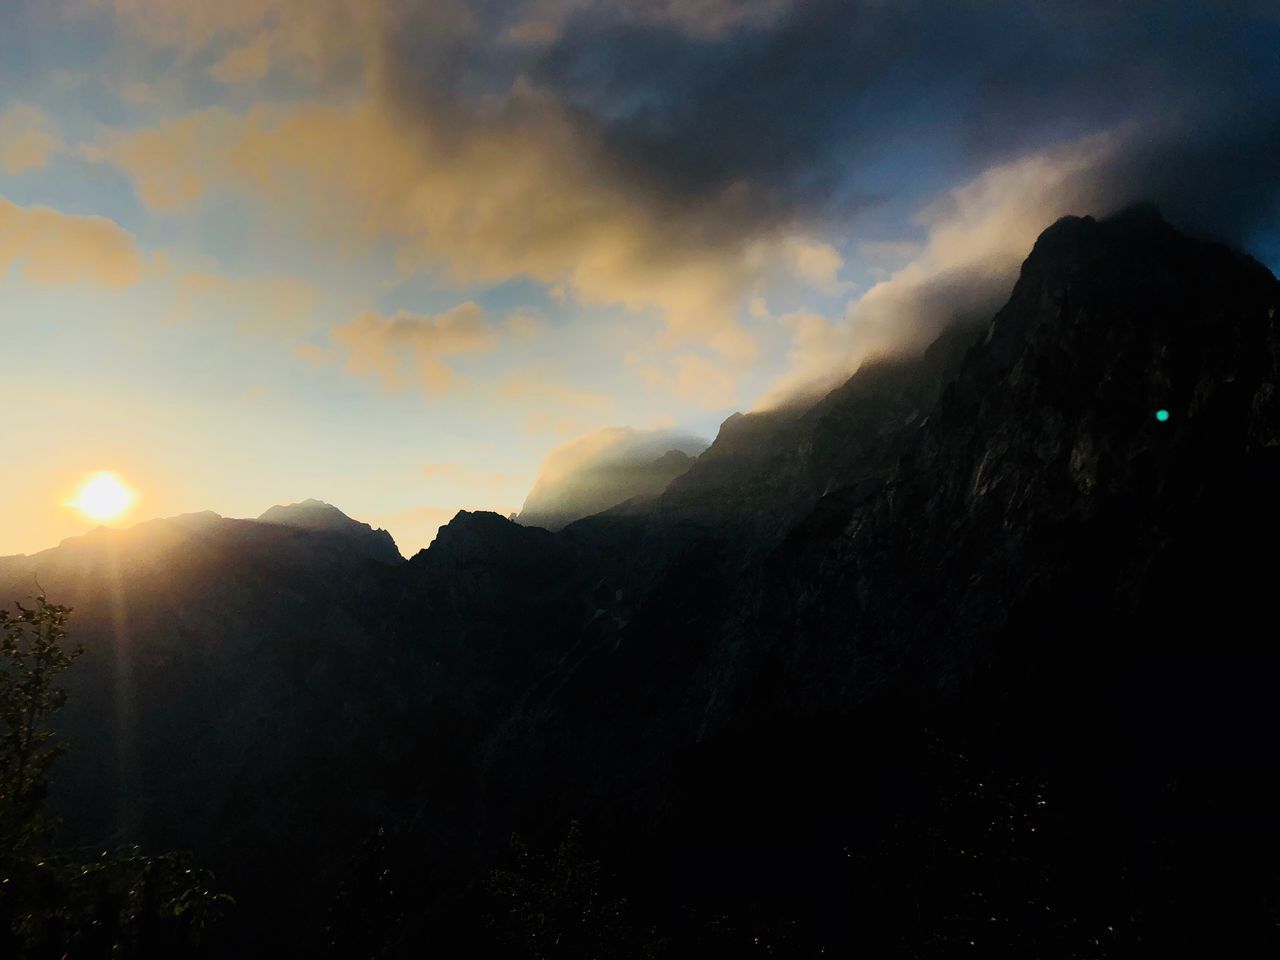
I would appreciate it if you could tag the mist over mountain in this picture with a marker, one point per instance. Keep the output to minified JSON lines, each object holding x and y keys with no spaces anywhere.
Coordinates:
{"x":603,"y":470}
{"x":967,"y":650}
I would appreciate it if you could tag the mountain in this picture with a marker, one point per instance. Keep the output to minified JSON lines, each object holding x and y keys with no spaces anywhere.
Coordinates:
{"x":219,"y":655}
{"x":319,"y":517}
{"x":604,"y":470}
{"x":973,"y":650}
{"x":998,"y":540}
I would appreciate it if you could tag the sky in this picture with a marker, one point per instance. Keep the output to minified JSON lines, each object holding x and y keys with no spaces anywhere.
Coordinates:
{"x":393,"y":254}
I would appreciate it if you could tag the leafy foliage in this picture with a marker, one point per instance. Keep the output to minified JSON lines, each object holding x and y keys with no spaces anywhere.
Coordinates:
{"x":557,"y":907}
{"x":993,"y":865}
{"x":32,"y":655}
{"x":366,"y":916}
{"x":69,"y":905}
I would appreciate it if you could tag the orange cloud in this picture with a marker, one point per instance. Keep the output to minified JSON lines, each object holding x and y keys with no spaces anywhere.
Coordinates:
{"x":555,"y":408}
{"x":25,"y":140}
{"x":384,"y":347}
{"x":254,"y":303}
{"x":504,"y":487}
{"x":822,"y":354}
{"x":484,"y":190}
{"x":250,"y":38}
{"x":54,"y":247}
{"x":595,"y":471}
{"x":817,"y":264}
{"x":526,"y":324}
{"x":514,"y":192}
{"x":694,"y":379}
{"x":320,"y":356}
{"x":494,"y":202}
{"x":526,"y":389}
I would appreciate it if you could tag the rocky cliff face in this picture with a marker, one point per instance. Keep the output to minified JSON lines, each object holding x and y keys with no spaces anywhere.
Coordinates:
{"x":1021,"y":547}
{"x":1043,"y":489}
{"x":967,"y":593}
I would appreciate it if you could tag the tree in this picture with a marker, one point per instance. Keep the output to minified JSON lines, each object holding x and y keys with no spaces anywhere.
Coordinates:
{"x":32,"y":655}
{"x":55,"y":904}
{"x":557,"y":906}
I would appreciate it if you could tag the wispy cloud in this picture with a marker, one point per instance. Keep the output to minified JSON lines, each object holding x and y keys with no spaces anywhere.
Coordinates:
{"x":27,"y":141}
{"x":408,"y":346}
{"x":252,"y":304}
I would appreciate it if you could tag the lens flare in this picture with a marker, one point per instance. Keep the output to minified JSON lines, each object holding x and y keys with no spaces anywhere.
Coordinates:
{"x":103,"y":496}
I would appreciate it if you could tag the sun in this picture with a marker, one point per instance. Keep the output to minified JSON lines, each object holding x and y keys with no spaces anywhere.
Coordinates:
{"x":103,"y":496}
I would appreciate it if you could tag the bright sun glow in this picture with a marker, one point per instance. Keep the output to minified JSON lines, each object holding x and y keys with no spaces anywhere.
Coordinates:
{"x":103,"y":497}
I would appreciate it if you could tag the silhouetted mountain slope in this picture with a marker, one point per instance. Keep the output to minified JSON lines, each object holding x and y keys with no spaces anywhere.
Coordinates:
{"x":1087,"y":578}
{"x":766,"y":470}
{"x":825,"y":683}
{"x":320,"y":517}
{"x":223,"y":662}
{"x":1037,"y":552}
{"x":1043,"y":466}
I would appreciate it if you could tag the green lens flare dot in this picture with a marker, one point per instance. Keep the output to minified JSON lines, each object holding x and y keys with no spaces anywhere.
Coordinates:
{"x":1162,"y":415}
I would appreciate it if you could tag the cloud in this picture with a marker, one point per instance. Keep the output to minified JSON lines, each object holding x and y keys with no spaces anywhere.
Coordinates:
{"x":411,"y":344}
{"x":977,"y":234}
{"x":543,"y":21}
{"x":528,"y":389}
{"x":554,"y":407}
{"x":514,"y":195}
{"x":316,"y":354}
{"x":254,"y":304}
{"x":817,"y":264}
{"x":740,"y":120}
{"x":171,"y":165}
{"x":243,"y":41}
{"x":616,"y":445}
{"x":808,"y":114}
{"x":54,"y":247}
{"x":673,"y":158}
{"x":501,"y":489}
{"x":694,"y":379}
{"x":526,"y":323}
{"x":880,"y":254}
{"x":26,"y":142}
{"x":245,"y":64}
{"x":596,"y":471}
{"x":822,"y":352}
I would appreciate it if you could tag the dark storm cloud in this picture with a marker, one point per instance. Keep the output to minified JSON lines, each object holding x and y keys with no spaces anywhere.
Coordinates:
{"x":774,"y":109}
{"x":789,"y":112}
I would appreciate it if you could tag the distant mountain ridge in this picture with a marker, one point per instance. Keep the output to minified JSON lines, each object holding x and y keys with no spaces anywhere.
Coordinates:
{"x":320,"y":517}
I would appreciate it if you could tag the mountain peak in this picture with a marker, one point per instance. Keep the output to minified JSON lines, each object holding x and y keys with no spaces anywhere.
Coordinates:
{"x":310,"y":514}
{"x":318,"y":516}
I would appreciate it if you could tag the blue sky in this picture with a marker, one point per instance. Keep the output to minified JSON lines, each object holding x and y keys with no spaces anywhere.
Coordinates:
{"x":392,"y":254}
